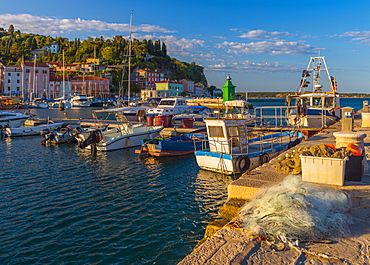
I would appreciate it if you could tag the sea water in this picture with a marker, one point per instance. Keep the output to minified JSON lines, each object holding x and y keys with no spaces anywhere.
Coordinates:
{"x":64,"y":205}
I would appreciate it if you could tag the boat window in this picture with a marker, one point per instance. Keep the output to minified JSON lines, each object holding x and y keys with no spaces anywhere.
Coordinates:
{"x":316,"y":102}
{"x":167,"y":103}
{"x":232,"y":131}
{"x":216,"y":131}
{"x":329,"y":102}
{"x":242,"y":132}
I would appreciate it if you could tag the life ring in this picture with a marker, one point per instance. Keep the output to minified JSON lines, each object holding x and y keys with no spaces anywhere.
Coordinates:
{"x":264,"y":158}
{"x":242,"y":164}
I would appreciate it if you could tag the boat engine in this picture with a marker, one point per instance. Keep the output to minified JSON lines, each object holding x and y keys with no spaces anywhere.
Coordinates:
{"x":94,"y":138}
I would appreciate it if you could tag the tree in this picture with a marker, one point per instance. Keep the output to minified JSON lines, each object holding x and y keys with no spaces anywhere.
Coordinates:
{"x":11,"y":29}
{"x":210,"y":89}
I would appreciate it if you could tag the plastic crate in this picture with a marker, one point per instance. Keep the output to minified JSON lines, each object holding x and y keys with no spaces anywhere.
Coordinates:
{"x":354,"y":168}
{"x":323,"y":170}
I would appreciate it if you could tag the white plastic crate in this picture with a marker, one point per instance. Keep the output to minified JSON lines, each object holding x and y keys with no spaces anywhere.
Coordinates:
{"x":323,"y":170}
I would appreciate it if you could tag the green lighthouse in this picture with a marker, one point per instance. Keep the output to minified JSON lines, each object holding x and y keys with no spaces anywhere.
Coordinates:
{"x":228,"y":90}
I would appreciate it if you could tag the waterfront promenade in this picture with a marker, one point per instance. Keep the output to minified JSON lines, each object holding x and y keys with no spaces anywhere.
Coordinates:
{"x":230,"y":245}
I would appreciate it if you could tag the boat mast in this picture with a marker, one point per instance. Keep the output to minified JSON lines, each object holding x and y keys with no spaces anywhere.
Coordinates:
{"x":316,"y":69}
{"x":63,"y":87}
{"x":129,"y":62}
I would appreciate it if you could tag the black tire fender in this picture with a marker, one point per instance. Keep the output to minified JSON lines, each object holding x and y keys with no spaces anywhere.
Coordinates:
{"x":264,"y":158}
{"x":242,"y":163}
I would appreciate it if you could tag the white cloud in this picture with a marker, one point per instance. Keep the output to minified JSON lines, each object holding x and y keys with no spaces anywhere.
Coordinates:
{"x":55,"y":26}
{"x":269,"y":47}
{"x":244,"y":66}
{"x":261,"y":34}
{"x":361,"y":36}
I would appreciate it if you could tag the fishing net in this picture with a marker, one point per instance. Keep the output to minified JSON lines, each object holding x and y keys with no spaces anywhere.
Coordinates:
{"x":291,"y":162}
{"x":297,"y":211}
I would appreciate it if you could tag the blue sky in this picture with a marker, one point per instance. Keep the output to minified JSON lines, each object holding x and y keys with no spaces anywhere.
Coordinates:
{"x":263,"y":45}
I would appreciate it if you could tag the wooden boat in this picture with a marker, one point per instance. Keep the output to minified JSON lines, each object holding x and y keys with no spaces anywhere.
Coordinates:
{"x":234,"y":150}
{"x":175,"y":146}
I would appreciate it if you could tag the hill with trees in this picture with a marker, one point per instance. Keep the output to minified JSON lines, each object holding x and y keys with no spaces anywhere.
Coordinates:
{"x":15,"y":45}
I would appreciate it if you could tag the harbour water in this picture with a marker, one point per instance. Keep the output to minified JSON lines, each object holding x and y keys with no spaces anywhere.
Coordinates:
{"x":64,"y":205}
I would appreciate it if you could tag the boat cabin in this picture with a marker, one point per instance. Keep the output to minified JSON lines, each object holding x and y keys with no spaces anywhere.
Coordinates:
{"x":169,"y":106}
{"x":226,"y":134}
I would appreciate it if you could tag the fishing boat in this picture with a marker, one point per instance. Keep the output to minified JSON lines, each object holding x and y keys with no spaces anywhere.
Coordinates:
{"x":197,"y":113}
{"x":175,"y":146}
{"x":234,"y":150}
{"x":123,"y":135}
{"x":12,"y":119}
{"x":32,"y":130}
{"x":315,"y":109}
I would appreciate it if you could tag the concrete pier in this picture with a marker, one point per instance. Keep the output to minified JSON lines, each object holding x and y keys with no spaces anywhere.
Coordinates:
{"x":230,"y":245}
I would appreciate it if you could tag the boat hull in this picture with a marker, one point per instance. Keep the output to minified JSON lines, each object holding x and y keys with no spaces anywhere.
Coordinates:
{"x":175,"y":147}
{"x":31,"y":130}
{"x":115,"y":139}
{"x":239,"y":163}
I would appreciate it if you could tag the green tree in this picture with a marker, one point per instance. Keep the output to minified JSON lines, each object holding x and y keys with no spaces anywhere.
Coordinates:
{"x":11,"y":29}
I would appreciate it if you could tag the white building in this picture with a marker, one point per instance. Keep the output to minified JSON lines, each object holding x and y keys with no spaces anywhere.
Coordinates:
{"x":12,"y":80}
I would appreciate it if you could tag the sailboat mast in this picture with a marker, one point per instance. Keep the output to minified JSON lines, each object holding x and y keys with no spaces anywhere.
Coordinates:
{"x":64,"y":81}
{"x":129,"y":62}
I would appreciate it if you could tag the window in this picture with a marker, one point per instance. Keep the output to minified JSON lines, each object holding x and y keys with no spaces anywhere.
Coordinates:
{"x":232,"y":131}
{"x":18,"y":81}
{"x":9,"y":74}
{"x":216,"y":131}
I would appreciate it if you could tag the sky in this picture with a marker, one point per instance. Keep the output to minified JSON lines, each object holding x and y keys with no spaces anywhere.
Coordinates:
{"x":262,"y":44}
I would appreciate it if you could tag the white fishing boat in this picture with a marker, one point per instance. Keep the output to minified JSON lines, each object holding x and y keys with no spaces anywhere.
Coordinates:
{"x":32,"y":130}
{"x":123,"y":135}
{"x":80,"y":101}
{"x":316,"y":109}
{"x":12,"y":119}
{"x":169,"y":107}
{"x":234,"y":150}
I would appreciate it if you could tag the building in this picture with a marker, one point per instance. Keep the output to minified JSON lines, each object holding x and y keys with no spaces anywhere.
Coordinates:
{"x":170,"y":88}
{"x":53,"y":48}
{"x":146,"y":78}
{"x":94,"y":86}
{"x":198,"y":89}
{"x":35,"y":81}
{"x":11,"y":80}
{"x":189,"y":87}
{"x":59,"y":86}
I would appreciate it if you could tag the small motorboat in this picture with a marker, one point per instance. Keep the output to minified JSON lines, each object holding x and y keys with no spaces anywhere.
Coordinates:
{"x":32,"y":130}
{"x":175,"y":146}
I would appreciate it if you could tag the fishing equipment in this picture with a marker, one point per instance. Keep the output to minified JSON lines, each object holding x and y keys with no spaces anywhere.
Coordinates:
{"x":294,"y":211}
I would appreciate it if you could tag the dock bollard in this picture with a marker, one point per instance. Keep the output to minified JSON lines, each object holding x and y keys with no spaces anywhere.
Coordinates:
{"x":365,"y":106}
{"x":342,"y":139}
{"x":347,"y":119}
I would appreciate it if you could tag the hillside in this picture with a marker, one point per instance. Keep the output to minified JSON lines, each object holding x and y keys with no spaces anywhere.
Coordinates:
{"x":15,"y":45}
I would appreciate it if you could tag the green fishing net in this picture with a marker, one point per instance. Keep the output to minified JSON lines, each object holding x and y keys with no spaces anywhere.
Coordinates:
{"x":297,"y":211}
{"x":291,"y":162}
